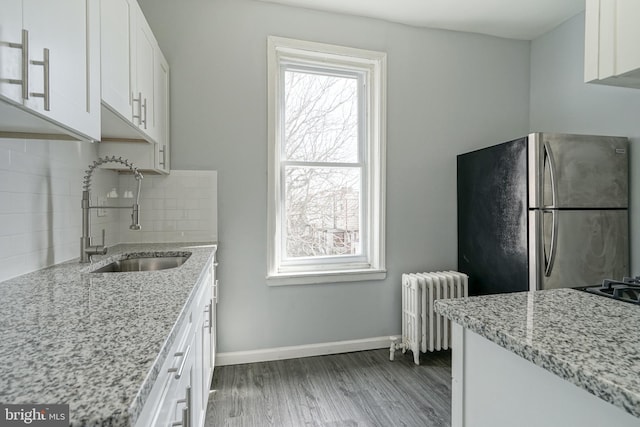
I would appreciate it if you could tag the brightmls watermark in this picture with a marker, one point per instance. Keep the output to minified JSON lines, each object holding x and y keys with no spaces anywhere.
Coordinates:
{"x":34,"y":415}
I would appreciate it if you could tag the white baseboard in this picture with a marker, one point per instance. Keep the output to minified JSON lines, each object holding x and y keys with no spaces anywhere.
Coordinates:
{"x":294,"y":352}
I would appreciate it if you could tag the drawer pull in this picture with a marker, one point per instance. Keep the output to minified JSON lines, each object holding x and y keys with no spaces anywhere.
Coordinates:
{"x":179,"y":369}
{"x":186,"y":418}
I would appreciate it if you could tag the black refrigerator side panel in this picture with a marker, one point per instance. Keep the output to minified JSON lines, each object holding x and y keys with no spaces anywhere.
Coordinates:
{"x":492,"y":218}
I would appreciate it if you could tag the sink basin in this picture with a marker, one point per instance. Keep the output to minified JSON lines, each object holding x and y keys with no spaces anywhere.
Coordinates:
{"x":143,"y":263}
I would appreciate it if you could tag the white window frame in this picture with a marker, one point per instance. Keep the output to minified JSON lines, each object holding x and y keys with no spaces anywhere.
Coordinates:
{"x":372,"y":67}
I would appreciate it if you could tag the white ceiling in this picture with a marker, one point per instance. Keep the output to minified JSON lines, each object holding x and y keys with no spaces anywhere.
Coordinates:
{"x":517,"y":19}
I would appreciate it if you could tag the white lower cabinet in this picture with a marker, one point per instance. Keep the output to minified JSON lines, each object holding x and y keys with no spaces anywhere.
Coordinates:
{"x":492,"y":386}
{"x":181,"y":391}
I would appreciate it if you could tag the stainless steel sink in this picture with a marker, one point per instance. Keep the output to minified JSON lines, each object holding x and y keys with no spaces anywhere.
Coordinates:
{"x":143,"y":263}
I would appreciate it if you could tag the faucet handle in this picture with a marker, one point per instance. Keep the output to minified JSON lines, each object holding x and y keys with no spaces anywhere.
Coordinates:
{"x":101,"y":249}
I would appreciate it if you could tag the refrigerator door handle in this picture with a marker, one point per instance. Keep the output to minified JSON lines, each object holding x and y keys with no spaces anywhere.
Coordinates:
{"x":552,"y":171}
{"x":554,"y":243}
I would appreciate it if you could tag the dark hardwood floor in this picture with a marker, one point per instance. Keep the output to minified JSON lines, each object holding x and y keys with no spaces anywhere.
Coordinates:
{"x":352,"y":389}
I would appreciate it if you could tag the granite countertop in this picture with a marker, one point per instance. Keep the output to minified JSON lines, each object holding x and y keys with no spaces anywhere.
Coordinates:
{"x":588,"y":340}
{"x":93,"y":341}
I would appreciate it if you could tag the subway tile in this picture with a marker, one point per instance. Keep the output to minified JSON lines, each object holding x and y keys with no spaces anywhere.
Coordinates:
{"x":174,"y":214}
{"x":13,"y":202}
{"x":187,"y":225}
{"x":171,"y":203}
{"x":151,"y":193}
{"x":17,"y":145}
{"x":5,"y":159}
{"x":12,"y":224}
{"x":26,"y":163}
{"x":191,"y":203}
{"x":41,"y":148}
{"x":193,"y":214}
{"x":157,"y":204}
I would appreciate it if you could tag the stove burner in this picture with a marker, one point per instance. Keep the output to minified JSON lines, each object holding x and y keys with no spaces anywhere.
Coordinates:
{"x":628,"y":289}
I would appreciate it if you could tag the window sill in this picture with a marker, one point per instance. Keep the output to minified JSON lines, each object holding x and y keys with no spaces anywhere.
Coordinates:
{"x":316,"y":277}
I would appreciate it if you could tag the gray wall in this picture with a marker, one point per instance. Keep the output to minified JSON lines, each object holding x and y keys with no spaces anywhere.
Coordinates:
{"x":449,"y":92}
{"x":562,"y":102}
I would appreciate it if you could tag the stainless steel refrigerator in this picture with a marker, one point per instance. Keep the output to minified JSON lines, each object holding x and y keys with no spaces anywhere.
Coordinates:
{"x":544,"y":211}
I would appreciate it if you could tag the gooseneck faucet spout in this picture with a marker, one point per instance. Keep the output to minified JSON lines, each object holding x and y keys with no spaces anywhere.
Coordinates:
{"x":86,"y":248}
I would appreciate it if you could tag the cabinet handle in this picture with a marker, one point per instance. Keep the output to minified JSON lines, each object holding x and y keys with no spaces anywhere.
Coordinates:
{"x":25,"y":64}
{"x":45,"y":94}
{"x":144,"y":106}
{"x":209,"y":310}
{"x":163,"y":150}
{"x":215,"y":291}
{"x":139,"y":101}
{"x":24,"y":47}
{"x":185,"y":355}
{"x":186,"y":411}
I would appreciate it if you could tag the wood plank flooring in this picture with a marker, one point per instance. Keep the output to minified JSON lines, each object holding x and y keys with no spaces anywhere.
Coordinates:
{"x":352,"y":389}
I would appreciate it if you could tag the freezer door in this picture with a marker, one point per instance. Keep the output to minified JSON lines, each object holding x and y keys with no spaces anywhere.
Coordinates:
{"x":492,"y":218}
{"x":578,"y":171}
{"x":571,"y":248}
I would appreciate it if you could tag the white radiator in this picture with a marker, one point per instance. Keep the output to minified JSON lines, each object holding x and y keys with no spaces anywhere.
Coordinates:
{"x":422,"y":328}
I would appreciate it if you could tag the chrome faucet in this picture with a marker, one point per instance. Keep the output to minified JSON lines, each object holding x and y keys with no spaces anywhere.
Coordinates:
{"x":86,"y":249}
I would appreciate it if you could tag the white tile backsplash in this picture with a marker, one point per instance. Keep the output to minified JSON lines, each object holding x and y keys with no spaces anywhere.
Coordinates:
{"x":40,"y":215}
{"x":40,"y":193}
{"x":180,"y":207}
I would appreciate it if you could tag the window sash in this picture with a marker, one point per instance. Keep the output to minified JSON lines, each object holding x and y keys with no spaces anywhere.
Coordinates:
{"x":363,"y":254}
{"x":329,"y":261}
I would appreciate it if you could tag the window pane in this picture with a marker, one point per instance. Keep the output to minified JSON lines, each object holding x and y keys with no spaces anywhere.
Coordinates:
{"x":321,"y":117}
{"x":322,"y":211}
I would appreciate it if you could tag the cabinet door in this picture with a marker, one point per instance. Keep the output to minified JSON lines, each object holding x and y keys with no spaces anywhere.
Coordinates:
{"x":11,"y":56}
{"x":627,"y":36}
{"x":65,"y":86}
{"x":204,"y":363}
{"x":143,"y":101}
{"x":203,"y":349}
{"x":115,"y":27}
{"x":181,"y":402}
{"x":161,"y":116}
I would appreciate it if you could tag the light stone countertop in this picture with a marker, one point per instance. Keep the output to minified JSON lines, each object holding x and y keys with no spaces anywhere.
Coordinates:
{"x":93,"y":341}
{"x":588,"y":340}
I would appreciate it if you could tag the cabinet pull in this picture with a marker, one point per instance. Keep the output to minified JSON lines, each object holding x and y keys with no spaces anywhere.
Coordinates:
{"x":209,"y":311}
{"x":45,"y":94}
{"x":186,"y":411}
{"x":184,"y":422}
{"x":139,"y":101}
{"x":178,"y":370}
{"x":25,"y":64}
{"x":215,"y":291}
{"x":24,"y":47}
{"x":144,"y":107}
{"x":163,"y":150}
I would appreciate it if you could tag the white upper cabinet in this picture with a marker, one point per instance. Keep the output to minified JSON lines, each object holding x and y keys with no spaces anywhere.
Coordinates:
{"x":116,"y":26}
{"x":143,"y":86}
{"x":135,"y":89}
{"x":50,"y":70}
{"x":612,"y":32}
{"x":161,"y":111}
{"x":11,"y":39}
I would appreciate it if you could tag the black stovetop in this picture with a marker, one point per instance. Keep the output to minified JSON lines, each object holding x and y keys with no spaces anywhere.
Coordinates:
{"x":627,"y":289}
